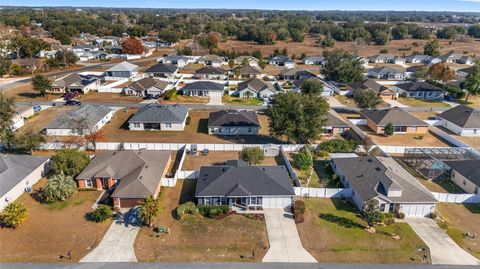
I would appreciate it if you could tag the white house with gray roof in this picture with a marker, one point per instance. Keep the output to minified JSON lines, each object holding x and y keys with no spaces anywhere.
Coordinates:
{"x":255,"y":88}
{"x":180,"y":61}
{"x":203,"y":89}
{"x":154,"y":117}
{"x":465,"y":174}
{"x":461,"y":120}
{"x":383,"y":179}
{"x":386,"y":72}
{"x":123,"y":70}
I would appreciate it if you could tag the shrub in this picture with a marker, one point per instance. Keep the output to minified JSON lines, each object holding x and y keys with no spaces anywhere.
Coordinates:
{"x":13,"y":214}
{"x":212,"y":211}
{"x":187,"y":208}
{"x":252,"y":155}
{"x":59,"y":188}
{"x":188,"y":120}
{"x":148,"y":210}
{"x":170,"y":93}
{"x":304,"y":159}
{"x":400,"y":215}
{"x":299,"y":206}
{"x":100,"y":214}
{"x":336,"y":146}
{"x":298,"y":218}
{"x":69,"y":162}
{"x":383,"y":51}
{"x":389,"y":129}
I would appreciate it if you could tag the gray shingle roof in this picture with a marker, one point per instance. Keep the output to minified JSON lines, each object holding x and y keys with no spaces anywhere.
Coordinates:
{"x":146,"y":83}
{"x":139,"y":172}
{"x":419,"y":86}
{"x":239,"y":179}
{"x":369,"y":84}
{"x":70,"y":120}
{"x":233,"y":118}
{"x":211,"y":70}
{"x":123,"y":67}
{"x":467,"y":168}
{"x":162,"y":68}
{"x":280,"y":58}
{"x":462,"y":116}
{"x":255,"y":85}
{"x":14,"y":168}
{"x":204,"y":85}
{"x":394,"y":115}
{"x":211,"y":57}
{"x":372,"y":177}
{"x":154,"y":113}
{"x":74,"y":80}
{"x":334,"y":120}
{"x":384,"y":70}
{"x":250,"y":70}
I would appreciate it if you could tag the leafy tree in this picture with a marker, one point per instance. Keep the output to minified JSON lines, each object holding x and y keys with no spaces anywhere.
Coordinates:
{"x":69,"y":162}
{"x":366,"y":98}
{"x":100,"y":214}
{"x":149,"y":210}
{"x":262,"y":63}
{"x":41,"y":84}
{"x":7,"y":110}
{"x":327,"y":43}
{"x":5,"y":64}
{"x":169,"y":35}
{"x":450,"y":32}
{"x":29,"y":140}
{"x":474,"y":31}
{"x":257,"y":54}
{"x":337,"y":146}
{"x":431,"y":48}
{"x":342,"y":67}
{"x":312,"y":86}
{"x":298,"y":117}
{"x":66,"y":57}
{"x":16,"y":70}
{"x":441,"y":71}
{"x":420,"y":33}
{"x":14,"y":214}
{"x":94,"y":136}
{"x":472,"y":82}
{"x":303,"y":159}
{"x":371,"y":212}
{"x":26,"y":47}
{"x":132,"y":46}
{"x":59,"y":188}
{"x":399,"y":32}
{"x":252,"y":155}
{"x":389,"y":129}
{"x":231,"y":63}
{"x":137,"y":31}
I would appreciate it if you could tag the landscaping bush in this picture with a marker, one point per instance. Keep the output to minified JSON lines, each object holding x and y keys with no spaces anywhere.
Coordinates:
{"x":188,"y":120}
{"x":69,"y":162}
{"x":400,"y":215}
{"x":59,"y":188}
{"x":212,"y":211}
{"x":187,"y":208}
{"x":387,"y":218}
{"x":100,"y":214}
{"x":252,"y":155}
{"x":335,"y":146}
{"x":13,"y":215}
{"x":299,"y":206}
{"x":389,"y":129}
{"x":170,"y":93}
{"x":298,"y":218}
{"x":304,"y":159}
{"x":455,"y":92}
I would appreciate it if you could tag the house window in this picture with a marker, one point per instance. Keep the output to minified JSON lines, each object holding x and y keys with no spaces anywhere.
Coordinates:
{"x":474,"y":131}
{"x":400,"y":129}
{"x":212,"y":130}
{"x":136,"y":125}
{"x":382,"y":207}
{"x":249,"y":130}
{"x":168,"y":125}
{"x":88,"y":183}
{"x":206,"y":200}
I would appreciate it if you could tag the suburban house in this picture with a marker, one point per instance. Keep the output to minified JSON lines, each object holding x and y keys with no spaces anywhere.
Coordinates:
{"x":462,"y":120}
{"x":249,"y":60}
{"x":244,"y":187}
{"x":107,"y":40}
{"x":162,"y":71}
{"x":466,"y":60}
{"x":233,"y":122}
{"x":402,"y":121}
{"x":328,"y":89}
{"x":211,"y":60}
{"x":421,"y":89}
{"x":248,"y":71}
{"x":75,"y":83}
{"x":86,"y":52}
{"x":203,"y":89}
{"x":132,"y":175}
{"x":371,"y":85}
{"x":314,"y":60}
{"x":451,"y":58}
{"x":382,"y":58}
{"x":154,"y":117}
{"x":123,"y":70}
{"x":211,"y":72}
{"x":385,"y":72}
{"x":425,"y":59}
{"x":86,"y":119}
{"x":281,"y":60}
{"x":335,"y":125}
{"x":465,"y":174}
{"x":255,"y":88}
{"x":146,"y":87}
{"x":18,"y":173}
{"x":180,"y":61}
{"x":464,"y":72}
{"x":21,"y":114}
{"x":383,"y":179}
{"x":295,"y":74}
{"x":399,"y":60}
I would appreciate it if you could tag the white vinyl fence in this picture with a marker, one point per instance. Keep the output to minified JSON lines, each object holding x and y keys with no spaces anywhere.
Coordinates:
{"x":188,"y":174}
{"x":457,"y":198}
{"x":323,"y":192}
{"x":169,"y":182}
{"x":290,"y":168}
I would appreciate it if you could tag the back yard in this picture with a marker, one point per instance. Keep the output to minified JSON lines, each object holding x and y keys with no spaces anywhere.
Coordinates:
{"x":334,"y":233}
{"x":52,"y":230}
{"x":218,"y":158}
{"x":406,"y":140}
{"x":414,"y":102}
{"x":321,"y":175}
{"x":236,"y":238}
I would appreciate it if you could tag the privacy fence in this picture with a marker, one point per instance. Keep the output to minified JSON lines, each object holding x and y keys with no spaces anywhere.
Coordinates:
{"x":457,"y":198}
{"x":323,"y":192}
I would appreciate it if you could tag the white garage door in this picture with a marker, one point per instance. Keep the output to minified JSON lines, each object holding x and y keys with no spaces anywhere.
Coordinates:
{"x":274,"y":202}
{"x":215,"y":93}
{"x":416,"y":210}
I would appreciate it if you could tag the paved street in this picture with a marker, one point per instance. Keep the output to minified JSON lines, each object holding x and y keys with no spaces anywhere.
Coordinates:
{"x":285,"y":244}
{"x":442,"y":248}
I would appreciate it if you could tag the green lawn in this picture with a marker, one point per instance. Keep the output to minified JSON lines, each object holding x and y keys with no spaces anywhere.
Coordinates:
{"x":421,"y":102}
{"x":227,"y":99}
{"x":333,"y":232}
{"x":77,"y":199}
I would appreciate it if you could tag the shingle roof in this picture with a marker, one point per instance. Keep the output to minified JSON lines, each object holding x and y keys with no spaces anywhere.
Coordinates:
{"x":154,"y":113}
{"x":146,"y":83}
{"x":211,"y":70}
{"x":14,"y":168}
{"x":280,"y":58}
{"x":204,"y":85}
{"x":372,"y":177}
{"x":250,"y":70}
{"x":92,"y":114}
{"x":255,"y":85}
{"x":385,"y":70}
{"x":240,"y":59}
{"x":419,"y":86}
{"x":239,"y":179}
{"x":67,"y":80}
{"x":139,"y":172}
{"x":368,"y":84}
{"x":233,"y":118}
{"x":394,"y":115}
{"x":334,"y":120}
{"x":384,"y":57}
{"x":211,"y":57}
{"x":468,"y":70}
{"x":462,"y":116}
{"x":123,"y":67}
{"x":162,"y":68}
{"x":297,"y":72}
{"x":467,"y":168}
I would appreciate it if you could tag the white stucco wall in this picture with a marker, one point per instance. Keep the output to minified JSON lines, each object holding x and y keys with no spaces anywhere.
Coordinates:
{"x":465,"y":184}
{"x":459,"y":130}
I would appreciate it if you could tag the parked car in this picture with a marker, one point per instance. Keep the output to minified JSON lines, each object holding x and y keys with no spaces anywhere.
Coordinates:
{"x":37,"y":108}
{"x":70,"y":95}
{"x":72,"y":102}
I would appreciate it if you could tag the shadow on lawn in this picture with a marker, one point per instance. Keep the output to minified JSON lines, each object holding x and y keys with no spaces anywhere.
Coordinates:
{"x":341,"y":221}
{"x":473,"y":208}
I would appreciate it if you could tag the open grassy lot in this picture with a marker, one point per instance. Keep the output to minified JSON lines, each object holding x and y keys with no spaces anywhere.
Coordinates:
{"x":197,"y":239}
{"x":51,"y":230}
{"x":333,"y":232}
{"x":407,"y":140}
{"x":227,"y":99}
{"x":195,"y":132}
{"x":217,"y":158}
{"x":458,"y":219}
{"x":415,"y":102}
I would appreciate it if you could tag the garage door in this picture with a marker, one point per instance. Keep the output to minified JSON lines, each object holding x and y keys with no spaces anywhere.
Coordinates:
{"x":215,"y":93}
{"x":419,"y":210}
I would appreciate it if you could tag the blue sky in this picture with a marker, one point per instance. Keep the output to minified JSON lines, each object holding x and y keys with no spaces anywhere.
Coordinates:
{"x":424,"y":5}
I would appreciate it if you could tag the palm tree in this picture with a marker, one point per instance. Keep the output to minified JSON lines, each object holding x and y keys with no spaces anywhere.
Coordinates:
{"x":148,"y":210}
{"x":59,"y":188}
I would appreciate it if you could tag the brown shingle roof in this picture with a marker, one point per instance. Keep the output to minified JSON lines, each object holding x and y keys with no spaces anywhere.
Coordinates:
{"x":394,"y":115}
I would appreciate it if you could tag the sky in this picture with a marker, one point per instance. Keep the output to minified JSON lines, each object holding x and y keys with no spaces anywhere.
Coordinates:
{"x":421,"y":5}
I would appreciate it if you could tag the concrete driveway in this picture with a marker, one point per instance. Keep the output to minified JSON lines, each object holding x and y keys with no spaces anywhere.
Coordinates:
{"x":117,"y":243}
{"x":215,"y":100}
{"x":394,"y":103}
{"x":285,"y":244}
{"x":442,"y":248}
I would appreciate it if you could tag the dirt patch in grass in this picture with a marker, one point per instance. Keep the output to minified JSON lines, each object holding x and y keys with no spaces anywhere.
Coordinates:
{"x":51,"y":230}
{"x":197,"y":239}
{"x":217,"y":158}
{"x":333,"y":233}
{"x":457,"y":220}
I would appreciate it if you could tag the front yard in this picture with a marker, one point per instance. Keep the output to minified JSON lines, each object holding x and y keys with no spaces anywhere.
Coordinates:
{"x":227,"y":99}
{"x":52,"y":230}
{"x":457,"y":220}
{"x":415,"y":102}
{"x":333,"y":233}
{"x":197,"y":239}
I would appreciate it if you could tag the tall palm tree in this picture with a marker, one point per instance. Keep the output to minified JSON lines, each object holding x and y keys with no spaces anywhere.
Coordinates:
{"x":59,"y":188}
{"x":148,"y":210}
